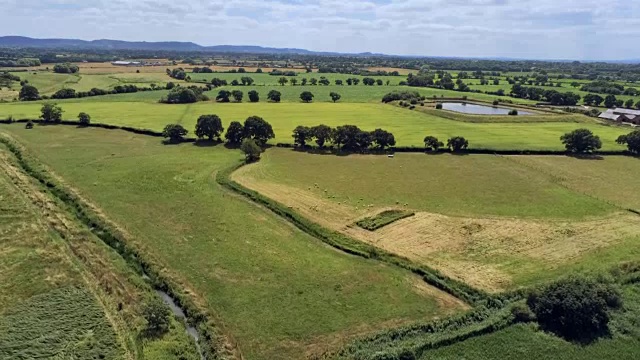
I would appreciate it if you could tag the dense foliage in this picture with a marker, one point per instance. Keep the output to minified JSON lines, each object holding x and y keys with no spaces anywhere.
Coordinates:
{"x":66,"y":68}
{"x":581,"y":141}
{"x":175,"y":133}
{"x":575,"y":308}
{"x":632,"y":140}
{"x":209,"y":126}
{"x":51,"y":113}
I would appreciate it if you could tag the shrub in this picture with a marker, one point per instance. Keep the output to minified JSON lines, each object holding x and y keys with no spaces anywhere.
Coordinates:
{"x":84,"y":118}
{"x":29,"y":125}
{"x":432,"y":143}
{"x":439,"y":106}
{"x":496,"y":102}
{"x":412,"y":107}
{"x":253,"y":96}
{"x":251,"y":150}
{"x":156,"y":313}
{"x":274,"y":96}
{"x":400,"y":95}
{"x":513,"y":112}
{"x":175,"y":133}
{"x":581,"y":141}
{"x":575,"y":308}
{"x":457,"y":143}
{"x":237,"y":95}
{"x":522,"y":313}
{"x":413,"y":101}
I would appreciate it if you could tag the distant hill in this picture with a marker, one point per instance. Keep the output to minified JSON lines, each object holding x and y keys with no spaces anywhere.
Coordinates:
{"x":26,"y":42}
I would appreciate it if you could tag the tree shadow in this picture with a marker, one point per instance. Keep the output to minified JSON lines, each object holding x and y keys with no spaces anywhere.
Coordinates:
{"x":338,"y":152}
{"x":207,"y":143}
{"x":586,"y":156}
{"x":585,"y":339}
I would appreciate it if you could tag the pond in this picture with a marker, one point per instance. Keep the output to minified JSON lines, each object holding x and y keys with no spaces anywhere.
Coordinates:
{"x":479,"y":109}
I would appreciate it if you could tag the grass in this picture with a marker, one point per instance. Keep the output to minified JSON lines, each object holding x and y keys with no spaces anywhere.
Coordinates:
{"x":409,"y":127}
{"x":383,"y":219}
{"x":243,"y":261}
{"x":514,"y":225}
{"x":60,"y":284}
{"x":472,"y":185}
{"x":528,"y":342}
{"x":63,"y":323}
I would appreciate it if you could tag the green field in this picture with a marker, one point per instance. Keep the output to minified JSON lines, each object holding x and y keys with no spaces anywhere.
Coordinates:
{"x":472,"y":185}
{"x":528,"y":342}
{"x":516,"y":225}
{"x":246,"y":263}
{"x":409,"y":127}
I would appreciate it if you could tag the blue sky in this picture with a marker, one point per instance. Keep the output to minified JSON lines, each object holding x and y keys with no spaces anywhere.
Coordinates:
{"x":540,"y":29}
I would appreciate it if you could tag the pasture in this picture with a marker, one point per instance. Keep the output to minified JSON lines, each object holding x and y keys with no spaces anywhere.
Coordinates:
{"x":243,"y":262}
{"x":514,"y":225}
{"x":409,"y":127}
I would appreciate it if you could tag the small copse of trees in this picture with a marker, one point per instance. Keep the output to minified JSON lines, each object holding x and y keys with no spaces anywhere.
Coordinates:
{"x":581,"y":141}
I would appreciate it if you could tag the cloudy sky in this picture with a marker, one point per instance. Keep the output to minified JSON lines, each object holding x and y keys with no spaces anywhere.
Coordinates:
{"x":540,"y":29}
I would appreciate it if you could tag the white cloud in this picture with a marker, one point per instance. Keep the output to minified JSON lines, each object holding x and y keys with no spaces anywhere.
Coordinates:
{"x":515,"y":28}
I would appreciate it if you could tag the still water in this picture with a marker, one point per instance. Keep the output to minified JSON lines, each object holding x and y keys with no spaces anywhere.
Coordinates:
{"x":478,"y":109}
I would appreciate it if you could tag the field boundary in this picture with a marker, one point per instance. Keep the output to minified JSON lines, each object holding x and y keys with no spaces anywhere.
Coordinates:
{"x":330,"y":150}
{"x":351,"y":246}
{"x":211,"y":340}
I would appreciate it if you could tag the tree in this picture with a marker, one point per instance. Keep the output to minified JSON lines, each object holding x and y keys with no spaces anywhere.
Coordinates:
{"x":51,"y":113}
{"x":181,"y":95}
{"x":274,"y":95}
{"x":379,"y":82}
{"x":345,"y":136}
{"x":303,"y":82}
{"x":251,"y":150}
{"x":363,"y":140}
{"x":283,"y":81}
{"x":174,"y":132}
{"x":237,"y":95}
{"x":314,"y":81}
{"x":638,"y":105}
{"x":432,"y":143}
{"x":258,"y":129}
{"x":209,"y":126}
{"x":383,"y":138}
{"x":581,"y":141}
{"x":235,"y":133}
{"x":632,"y":140}
{"x":593,"y":99}
{"x":29,"y":93}
{"x":322,"y":133}
{"x":306,"y":96}
{"x":338,"y":82}
{"x":513,"y":112}
{"x":293,"y":82}
{"x":457,"y":143}
{"x":610,"y":101}
{"x":223,"y":96}
{"x":253,"y":96}
{"x":335,"y":96}
{"x":64,"y":94}
{"x":301,"y":134}
{"x":575,"y":308}
{"x":218,"y":82}
{"x":247,"y":81}
{"x":629,"y":104}
{"x":84,"y":118}
{"x":324,"y":81}
{"x":157,"y":315}
{"x":235,"y":82}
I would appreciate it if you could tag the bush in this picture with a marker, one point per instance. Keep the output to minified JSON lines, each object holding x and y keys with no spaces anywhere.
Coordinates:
{"x":439,"y":106}
{"x":84,"y":119}
{"x":29,"y":125}
{"x":513,"y":112}
{"x":496,"y":102}
{"x":400,"y":95}
{"x":575,"y":308}
{"x":457,"y":143}
{"x":251,"y":150}
{"x":156,"y":313}
{"x":175,"y":133}
{"x":274,"y":96}
{"x":522,"y":313}
{"x":432,"y":143}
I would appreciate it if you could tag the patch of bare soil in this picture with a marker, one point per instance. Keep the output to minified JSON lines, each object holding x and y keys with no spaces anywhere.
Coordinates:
{"x":473,"y":250}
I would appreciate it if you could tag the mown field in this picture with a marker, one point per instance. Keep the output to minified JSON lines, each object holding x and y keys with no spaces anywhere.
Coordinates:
{"x":513,"y":224}
{"x":244,"y":262}
{"x":409,"y":127}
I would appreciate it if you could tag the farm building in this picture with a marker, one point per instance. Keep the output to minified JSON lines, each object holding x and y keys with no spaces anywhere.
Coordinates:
{"x":126,"y":63}
{"x":622,"y":115}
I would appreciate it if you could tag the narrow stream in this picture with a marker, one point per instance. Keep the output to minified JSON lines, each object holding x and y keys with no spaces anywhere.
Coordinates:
{"x":179,"y":313}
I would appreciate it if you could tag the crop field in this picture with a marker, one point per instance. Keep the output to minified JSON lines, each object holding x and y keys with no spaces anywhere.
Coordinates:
{"x":409,"y":127}
{"x":513,"y":224}
{"x":244,"y":262}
